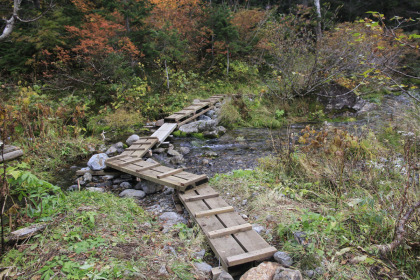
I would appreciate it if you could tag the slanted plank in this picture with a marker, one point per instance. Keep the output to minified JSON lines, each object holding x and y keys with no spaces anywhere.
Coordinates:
{"x":169,"y":173}
{"x":129,"y":161}
{"x":147,"y":167}
{"x":201,"y":197}
{"x":135,"y":149}
{"x":164,"y":131}
{"x":251,"y":256}
{"x":229,"y":230}
{"x":214,"y":211}
{"x":115,"y":158}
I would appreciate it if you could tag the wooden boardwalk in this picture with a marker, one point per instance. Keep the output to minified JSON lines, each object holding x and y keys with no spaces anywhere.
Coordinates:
{"x":231,"y":238}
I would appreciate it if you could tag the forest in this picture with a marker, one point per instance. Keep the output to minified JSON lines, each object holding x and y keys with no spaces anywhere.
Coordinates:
{"x":333,"y":85}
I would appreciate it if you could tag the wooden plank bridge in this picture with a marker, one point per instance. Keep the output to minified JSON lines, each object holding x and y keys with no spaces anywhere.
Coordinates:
{"x":231,"y":238}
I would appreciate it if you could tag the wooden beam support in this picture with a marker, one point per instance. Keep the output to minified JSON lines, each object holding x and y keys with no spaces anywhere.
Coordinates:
{"x":170,"y":173}
{"x":251,"y":256}
{"x":215,"y":211}
{"x":200,"y":197}
{"x":229,"y":230}
{"x":148,"y":167}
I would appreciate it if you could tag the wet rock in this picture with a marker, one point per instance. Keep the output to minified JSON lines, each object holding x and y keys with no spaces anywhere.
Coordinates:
{"x":309,"y":273}
{"x":205,"y":162}
{"x":177,"y":159}
{"x":82,"y":182}
{"x":126,"y":176}
{"x":94,"y":189}
{"x":133,"y":193}
{"x":244,"y":202}
{"x":120,"y":180}
{"x":198,"y":126}
{"x":184,"y":150}
{"x":133,"y":138}
{"x":337,"y":97}
{"x":211,"y":114}
{"x":97,"y":162}
{"x":224,"y":276}
{"x":148,"y":187}
{"x":265,"y":271}
{"x":102,"y":148}
{"x":203,"y":267}
{"x":287,"y":274}
{"x":210,"y":154}
{"x":105,"y":184}
{"x":26,"y":232}
{"x":107,"y":177}
{"x":116,"y":148}
{"x":73,"y":188}
{"x":173,"y":152}
{"x":87,"y":177}
{"x":168,"y":190}
{"x":203,"y":118}
{"x":283,"y":258}
{"x":159,"y":150}
{"x":125,"y":185}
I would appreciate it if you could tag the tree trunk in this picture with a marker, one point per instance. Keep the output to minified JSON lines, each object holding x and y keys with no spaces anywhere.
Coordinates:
{"x":167,"y":75}
{"x":227,"y":67}
{"x":318,"y":13}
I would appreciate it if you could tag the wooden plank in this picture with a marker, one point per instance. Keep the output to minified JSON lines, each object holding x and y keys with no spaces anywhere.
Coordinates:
{"x":169,"y":173}
{"x":130,"y":161}
{"x":199,"y":178}
{"x":135,"y":149}
{"x":11,"y":155}
{"x":96,"y":173}
{"x":148,"y":167}
{"x":201,"y":197}
{"x":164,"y":131}
{"x":229,"y":230}
{"x":115,"y":158}
{"x":194,"y":117}
{"x":251,"y":256}
{"x":214,"y":211}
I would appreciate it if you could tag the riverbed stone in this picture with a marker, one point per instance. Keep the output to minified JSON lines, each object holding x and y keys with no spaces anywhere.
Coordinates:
{"x":160,"y":122}
{"x":283,"y":258}
{"x":148,"y":187}
{"x":283,"y":273}
{"x":264,"y":271}
{"x":301,"y":237}
{"x":258,"y":228}
{"x":203,"y":267}
{"x":224,"y":276}
{"x":198,"y":126}
{"x":133,"y":193}
{"x":115,"y":149}
{"x":87,"y":177}
{"x":125,"y":185}
{"x":177,"y":159}
{"x":133,"y":138}
{"x":204,"y":118}
{"x":73,"y":188}
{"x":184,"y":150}
{"x":97,"y":162}
{"x":159,"y":150}
{"x":173,"y":152}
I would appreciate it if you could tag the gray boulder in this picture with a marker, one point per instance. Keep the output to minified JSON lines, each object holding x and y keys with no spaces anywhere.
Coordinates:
{"x":203,"y":267}
{"x":97,"y":162}
{"x":172,"y":218}
{"x":115,"y":149}
{"x":73,"y":188}
{"x":211,"y":114}
{"x":173,"y":152}
{"x":125,"y":185}
{"x":133,"y":138}
{"x":87,"y":177}
{"x":198,"y":126}
{"x":133,"y":193}
{"x":184,"y":150}
{"x":283,"y":258}
{"x":224,"y":276}
{"x":203,"y":118}
{"x":287,"y":274}
{"x":177,"y":159}
{"x":148,"y":187}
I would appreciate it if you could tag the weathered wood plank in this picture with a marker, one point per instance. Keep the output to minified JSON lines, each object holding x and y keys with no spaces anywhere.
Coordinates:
{"x":169,"y":173}
{"x":214,"y":211}
{"x":251,"y":256}
{"x":201,"y":197}
{"x":195,"y":180}
{"x":164,"y":131}
{"x":148,"y":167}
{"x":229,"y":230}
{"x":11,"y":155}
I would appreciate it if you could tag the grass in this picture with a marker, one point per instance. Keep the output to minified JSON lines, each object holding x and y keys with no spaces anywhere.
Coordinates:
{"x":100,"y":236}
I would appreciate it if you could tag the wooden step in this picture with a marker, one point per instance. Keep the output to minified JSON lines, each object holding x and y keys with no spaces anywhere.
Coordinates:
{"x":198,"y":179}
{"x":215,"y":211}
{"x":130,"y":161}
{"x":229,"y":230}
{"x":135,"y":149}
{"x":170,"y":173}
{"x":201,"y":197}
{"x":251,"y":256}
{"x":147,"y":167}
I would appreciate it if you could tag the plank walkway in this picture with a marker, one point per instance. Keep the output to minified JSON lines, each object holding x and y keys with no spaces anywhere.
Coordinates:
{"x":231,"y":238}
